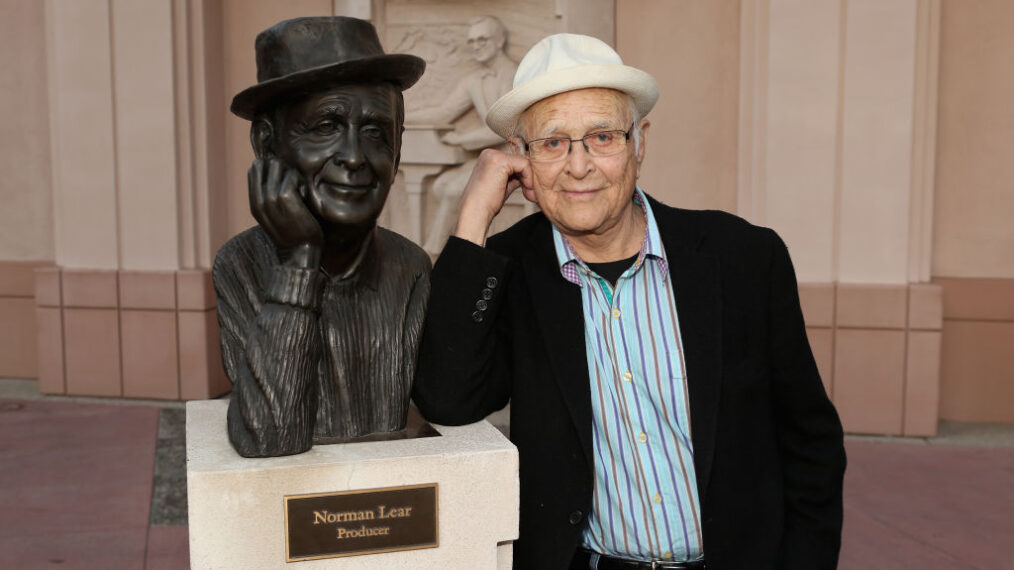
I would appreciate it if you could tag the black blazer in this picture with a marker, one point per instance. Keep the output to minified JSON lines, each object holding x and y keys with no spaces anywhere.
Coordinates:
{"x":768,"y":447}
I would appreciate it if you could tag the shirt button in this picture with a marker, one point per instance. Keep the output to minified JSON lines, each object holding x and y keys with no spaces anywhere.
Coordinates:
{"x":657,"y":498}
{"x":616,"y":313}
{"x":575,"y":517}
{"x":628,"y":376}
{"x":667,"y":554}
{"x":487,"y":294}
{"x":643,"y":437}
{"x":491,"y":282}
{"x":478,"y":316}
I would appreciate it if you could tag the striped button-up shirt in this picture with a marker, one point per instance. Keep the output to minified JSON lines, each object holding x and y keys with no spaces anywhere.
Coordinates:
{"x":645,"y":503}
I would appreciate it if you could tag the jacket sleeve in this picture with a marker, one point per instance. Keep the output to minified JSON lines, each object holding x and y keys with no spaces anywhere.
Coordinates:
{"x":464,"y":358}
{"x":270,"y":351}
{"x":808,"y":429}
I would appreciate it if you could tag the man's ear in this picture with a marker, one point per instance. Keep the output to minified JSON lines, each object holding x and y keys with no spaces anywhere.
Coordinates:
{"x":397,"y":153}
{"x":262,"y":135}
{"x":643,"y":134}
{"x":516,"y":146}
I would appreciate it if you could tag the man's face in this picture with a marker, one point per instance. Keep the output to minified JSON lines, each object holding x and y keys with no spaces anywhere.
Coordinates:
{"x":582,"y":194}
{"x":484,"y":40}
{"x":344,"y":142}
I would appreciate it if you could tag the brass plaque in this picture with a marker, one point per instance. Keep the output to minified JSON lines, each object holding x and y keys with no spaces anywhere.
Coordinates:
{"x":368,"y":521}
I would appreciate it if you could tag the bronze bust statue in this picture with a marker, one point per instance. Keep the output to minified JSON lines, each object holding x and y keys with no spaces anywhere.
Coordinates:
{"x":320,"y":309}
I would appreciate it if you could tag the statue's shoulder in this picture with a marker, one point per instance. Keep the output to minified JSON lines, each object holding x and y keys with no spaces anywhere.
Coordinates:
{"x":244,"y":254}
{"x":403,"y":251}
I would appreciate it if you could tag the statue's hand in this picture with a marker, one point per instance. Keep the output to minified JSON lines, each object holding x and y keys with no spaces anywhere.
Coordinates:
{"x":495,"y":176}
{"x":278,"y":203}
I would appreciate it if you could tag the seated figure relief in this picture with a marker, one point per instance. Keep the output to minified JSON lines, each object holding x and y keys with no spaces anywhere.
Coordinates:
{"x":487,"y":42}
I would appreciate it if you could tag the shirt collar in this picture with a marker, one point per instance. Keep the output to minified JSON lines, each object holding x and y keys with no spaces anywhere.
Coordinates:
{"x":651,"y":248}
{"x":365,"y":268}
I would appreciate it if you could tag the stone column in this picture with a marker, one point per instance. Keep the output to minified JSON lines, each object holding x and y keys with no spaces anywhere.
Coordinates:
{"x":837,"y":135}
{"x":136,"y":145}
{"x":26,"y":219}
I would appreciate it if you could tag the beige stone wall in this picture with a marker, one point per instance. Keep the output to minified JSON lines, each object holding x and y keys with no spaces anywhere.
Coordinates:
{"x":86,"y":212}
{"x":132,"y":209}
{"x":873,"y":136}
{"x":26,"y":215}
{"x":836,"y":119}
{"x":973,"y":241}
{"x":977,"y":363}
{"x":796,"y":96}
{"x":877,"y":347}
{"x":692,"y":49}
{"x":974,"y":215}
{"x":145,"y":134}
{"x":836,"y":112}
{"x":26,"y":218}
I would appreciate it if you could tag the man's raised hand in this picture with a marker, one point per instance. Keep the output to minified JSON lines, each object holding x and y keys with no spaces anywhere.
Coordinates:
{"x":495,"y":176}
{"x":277,"y":202}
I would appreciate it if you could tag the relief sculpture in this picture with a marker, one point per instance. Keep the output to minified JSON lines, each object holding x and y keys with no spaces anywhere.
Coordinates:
{"x":476,"y":90}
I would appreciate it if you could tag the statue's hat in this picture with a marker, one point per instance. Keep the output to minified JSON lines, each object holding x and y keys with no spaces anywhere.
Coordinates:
{"x":303,"y":55}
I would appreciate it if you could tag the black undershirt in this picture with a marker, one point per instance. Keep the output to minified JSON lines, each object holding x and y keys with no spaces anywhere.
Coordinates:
{"x":611,"y":270}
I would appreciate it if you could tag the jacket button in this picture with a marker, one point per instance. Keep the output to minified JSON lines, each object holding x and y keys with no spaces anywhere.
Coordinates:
{"x":575,"y":517}
{"x":491,"y":282}
{"x":481,"y":305}
{"x":487,"y":294}
{"x":478,"y":316}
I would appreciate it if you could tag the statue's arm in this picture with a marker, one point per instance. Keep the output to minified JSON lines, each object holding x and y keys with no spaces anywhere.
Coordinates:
{"x":446,"y":111}
{"x":271,"y":346}
{"x":476,"y":139}
{"x":416,"y":317}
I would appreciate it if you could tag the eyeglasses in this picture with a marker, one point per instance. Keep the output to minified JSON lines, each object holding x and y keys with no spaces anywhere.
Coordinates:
{"x":599,"y":143}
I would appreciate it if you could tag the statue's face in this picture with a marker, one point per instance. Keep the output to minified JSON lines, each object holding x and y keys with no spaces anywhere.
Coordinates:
{"x":485,"y":40}
{"x":344,"y":142}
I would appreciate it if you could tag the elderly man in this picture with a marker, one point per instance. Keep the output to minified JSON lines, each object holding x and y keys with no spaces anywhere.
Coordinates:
{"x":664,"y":400}
{"x":320,"y":310}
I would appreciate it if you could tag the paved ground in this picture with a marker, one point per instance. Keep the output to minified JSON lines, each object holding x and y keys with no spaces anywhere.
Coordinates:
{"x":90,"y":484}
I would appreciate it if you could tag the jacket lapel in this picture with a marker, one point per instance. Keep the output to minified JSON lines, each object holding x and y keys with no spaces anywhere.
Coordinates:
{"x":557,"y":304}
{"x":696,"y":279}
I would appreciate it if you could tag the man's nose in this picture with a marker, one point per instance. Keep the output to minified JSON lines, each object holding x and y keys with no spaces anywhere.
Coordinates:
{"x":579,"y":160}
{"x":350,"y":153}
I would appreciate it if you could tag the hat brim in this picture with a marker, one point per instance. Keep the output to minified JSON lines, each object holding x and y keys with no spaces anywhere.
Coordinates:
{"x":641,"y":86}
{"x":403,"y":70}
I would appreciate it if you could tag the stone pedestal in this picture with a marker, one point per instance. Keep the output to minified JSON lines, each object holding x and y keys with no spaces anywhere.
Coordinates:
{"x":236,"y":505}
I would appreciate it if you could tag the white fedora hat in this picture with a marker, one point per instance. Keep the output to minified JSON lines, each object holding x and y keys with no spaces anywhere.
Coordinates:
{"x":564,"y":62}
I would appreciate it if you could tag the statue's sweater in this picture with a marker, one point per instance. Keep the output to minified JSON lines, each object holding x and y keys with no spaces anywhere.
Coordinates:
{"x":312,"y":355}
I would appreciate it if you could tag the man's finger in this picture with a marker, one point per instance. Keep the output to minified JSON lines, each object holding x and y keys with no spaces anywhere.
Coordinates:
{"x":526,"y":176}
{"x":272,"y":182}
{"x":255,"y":189}
{"x":289,"y":197}
{"x":520,"y":176}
